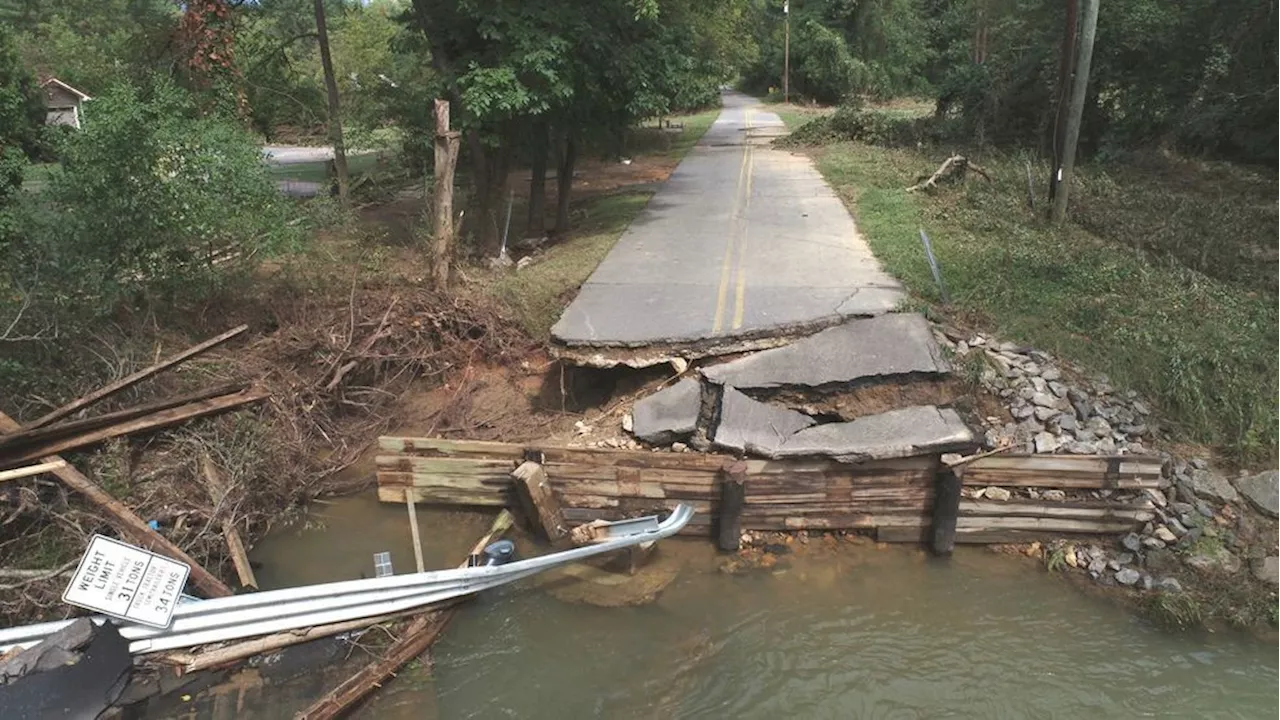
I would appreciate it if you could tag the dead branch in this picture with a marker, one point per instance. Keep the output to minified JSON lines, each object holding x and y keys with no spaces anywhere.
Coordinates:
{"x":953,"y":167}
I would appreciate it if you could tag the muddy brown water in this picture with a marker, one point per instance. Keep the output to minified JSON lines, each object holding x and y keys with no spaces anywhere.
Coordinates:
{"x":852,"y":631}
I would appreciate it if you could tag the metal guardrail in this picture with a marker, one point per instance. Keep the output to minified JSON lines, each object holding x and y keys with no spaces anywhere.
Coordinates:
{"x":272,"y":611}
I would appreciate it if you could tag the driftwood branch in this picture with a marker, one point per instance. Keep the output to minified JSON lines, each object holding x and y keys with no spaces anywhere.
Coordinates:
{"x":953,"y":167}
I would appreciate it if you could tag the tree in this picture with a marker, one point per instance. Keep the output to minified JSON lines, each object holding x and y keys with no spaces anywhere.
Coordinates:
{"x":335,"y":114}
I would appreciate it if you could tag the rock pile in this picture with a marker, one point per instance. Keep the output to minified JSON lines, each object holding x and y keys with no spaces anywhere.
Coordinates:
{"x":1050,"y":412}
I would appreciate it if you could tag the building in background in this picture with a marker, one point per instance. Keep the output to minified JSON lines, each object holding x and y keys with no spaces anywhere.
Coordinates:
{"x":62,"y":103}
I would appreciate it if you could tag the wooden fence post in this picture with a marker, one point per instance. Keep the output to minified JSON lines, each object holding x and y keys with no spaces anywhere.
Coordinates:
{"x":539,"y":502}
{"x":946,"y":509}
{"x":733,"y":494}
{"x":446,"y":159}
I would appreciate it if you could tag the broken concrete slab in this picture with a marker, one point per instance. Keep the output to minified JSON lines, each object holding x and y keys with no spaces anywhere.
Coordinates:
{"x":893,"y":344}
{"x":907,"y":432}
{"x":668,"y":415}
{"x":748,"y":425}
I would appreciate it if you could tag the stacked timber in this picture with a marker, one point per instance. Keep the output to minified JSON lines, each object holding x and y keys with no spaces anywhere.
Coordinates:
{"x":595,"y":483}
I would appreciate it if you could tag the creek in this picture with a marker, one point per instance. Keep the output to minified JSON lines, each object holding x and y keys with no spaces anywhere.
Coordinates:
{"x":835,"y":630}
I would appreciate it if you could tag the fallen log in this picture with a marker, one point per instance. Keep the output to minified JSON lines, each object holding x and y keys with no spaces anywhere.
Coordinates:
{"x":115,"y":387}
{"x":126,"y":522}
{"x":419,"y":636}
{"x":146,"y":423}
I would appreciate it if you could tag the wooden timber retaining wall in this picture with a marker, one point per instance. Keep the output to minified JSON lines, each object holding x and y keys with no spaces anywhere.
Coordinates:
{"x":894,"y":498}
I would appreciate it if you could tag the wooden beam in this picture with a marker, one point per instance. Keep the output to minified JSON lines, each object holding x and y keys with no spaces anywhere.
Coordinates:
{"x":44,"y":434}
{"x":540,"y":504}
{"x":733,"y":494}
{"x":147,"y":423}
{"x":416,"y":638}
{"x":30,"y":470}
{"x":115,"y":387}
{"x":127,"y":523}
{"x":946,"y":508}
{"x":218,"y":489}
{"x":1083,"y":510}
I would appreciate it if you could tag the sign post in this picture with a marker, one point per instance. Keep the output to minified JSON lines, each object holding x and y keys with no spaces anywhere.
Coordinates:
{"x":127,"y":582}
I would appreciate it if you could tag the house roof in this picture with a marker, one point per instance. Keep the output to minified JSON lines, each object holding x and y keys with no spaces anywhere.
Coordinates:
{"x":64,"y":86}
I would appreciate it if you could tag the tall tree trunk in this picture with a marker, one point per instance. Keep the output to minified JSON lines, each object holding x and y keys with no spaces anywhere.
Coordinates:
{"x":537,"y":221}
{"x":335,"y":117}
{"x":564,"y":183}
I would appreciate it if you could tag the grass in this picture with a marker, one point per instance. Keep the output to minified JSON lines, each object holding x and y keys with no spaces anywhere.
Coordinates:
{"x":1202,"y":345}
{"x":540,"y":292}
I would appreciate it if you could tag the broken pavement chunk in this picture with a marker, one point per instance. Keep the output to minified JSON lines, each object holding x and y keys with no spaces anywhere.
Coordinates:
{"x":893,"y":344}
{"x":898,"y":433}
{"x":752,"y":426}
{"x":669,"y":414}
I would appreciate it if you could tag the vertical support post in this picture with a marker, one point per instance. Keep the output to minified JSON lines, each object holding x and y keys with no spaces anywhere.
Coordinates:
{"x":539,"y":502}
{"x":946,"y":508}
{"x":1079,"y":90}
{"x":446,"y":160}
{"x":786,"y":52}
{"x":410,"y":503}
{"x":733,"y":495}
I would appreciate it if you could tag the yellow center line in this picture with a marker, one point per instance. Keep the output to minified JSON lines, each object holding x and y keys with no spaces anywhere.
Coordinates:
{"x":740,"y":303}
{"x":726,"y":268}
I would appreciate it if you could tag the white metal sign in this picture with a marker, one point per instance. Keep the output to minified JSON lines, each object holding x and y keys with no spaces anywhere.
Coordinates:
{"x":127,"y":582}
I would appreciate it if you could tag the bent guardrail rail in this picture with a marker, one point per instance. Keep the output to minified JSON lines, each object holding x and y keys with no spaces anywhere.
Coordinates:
{"x":241,"y":616}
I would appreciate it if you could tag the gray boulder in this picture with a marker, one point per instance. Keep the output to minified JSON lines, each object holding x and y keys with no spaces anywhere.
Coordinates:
{"x":1128,"y":576}
{"x":1208,"y":484}
{"x":1267,"y":570}
{"x":1261,"y":491}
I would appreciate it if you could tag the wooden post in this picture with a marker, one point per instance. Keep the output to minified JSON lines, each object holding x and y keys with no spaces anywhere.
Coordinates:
{"x":126,"y":522}
{"x":1079,"y":90}
{"x":413,"y":530}
{"x":786,"y":53}
{"x":539,"y":502}
{"x":733,"y":494}
{"x":446,"y":159}
{"x":946,"y":509}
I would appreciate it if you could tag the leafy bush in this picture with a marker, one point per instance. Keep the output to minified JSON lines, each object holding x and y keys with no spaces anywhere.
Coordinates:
{"x":152,"y":197}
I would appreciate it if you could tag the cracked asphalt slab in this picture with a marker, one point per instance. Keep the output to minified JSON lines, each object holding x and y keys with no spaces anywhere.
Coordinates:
{"x":743,"y":245}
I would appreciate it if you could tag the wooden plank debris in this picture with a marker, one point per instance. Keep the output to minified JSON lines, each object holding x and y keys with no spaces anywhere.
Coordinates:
{"x":538,"y":501}
{"x":146,"y":423}
{"x":127,"y":522}
{"x":73,"y":427}
{"x":30,"y":470}
{"x":115,"y":387}
{"x":218,"y":489}
{"x":416,"y":638}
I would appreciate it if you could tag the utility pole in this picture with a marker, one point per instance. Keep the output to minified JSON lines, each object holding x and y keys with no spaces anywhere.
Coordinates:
{"x":1065,"y":60}
{"x":786,"y":51}
{"x":1079,"y":89}
{"x":335,"y":118}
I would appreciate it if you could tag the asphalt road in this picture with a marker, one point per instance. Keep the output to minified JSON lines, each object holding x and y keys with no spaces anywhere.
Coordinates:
{"x":743,"y":242}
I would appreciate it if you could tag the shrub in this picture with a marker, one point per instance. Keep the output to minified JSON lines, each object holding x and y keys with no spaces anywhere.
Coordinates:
{"x":153,"y":197}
